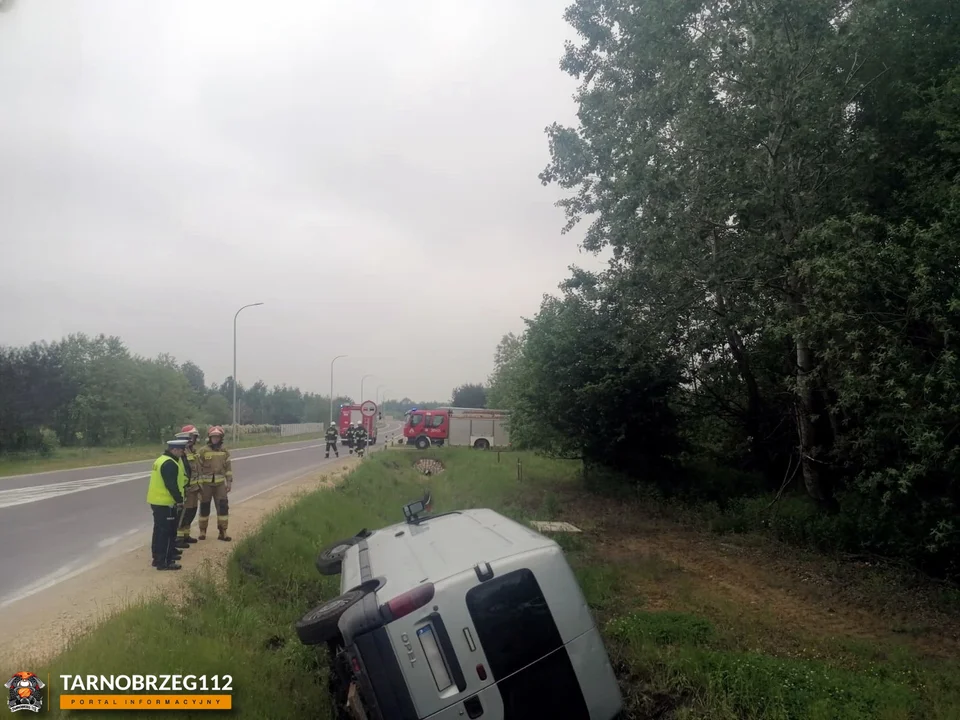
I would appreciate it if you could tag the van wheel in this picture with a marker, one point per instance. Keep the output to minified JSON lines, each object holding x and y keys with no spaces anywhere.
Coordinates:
{"x":320,"y":624}
{"x":422,"y":443}
{"x":482,"y":444}
{"x":330,"y":559}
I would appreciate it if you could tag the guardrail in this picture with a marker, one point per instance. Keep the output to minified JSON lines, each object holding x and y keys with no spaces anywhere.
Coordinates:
{"x":301,"y":429}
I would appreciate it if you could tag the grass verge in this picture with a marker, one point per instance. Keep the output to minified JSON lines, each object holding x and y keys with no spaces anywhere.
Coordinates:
{"x":71,"y":458}
{"x":688,"y":640}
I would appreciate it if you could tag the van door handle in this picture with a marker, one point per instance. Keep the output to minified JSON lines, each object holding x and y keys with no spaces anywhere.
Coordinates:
{"x":444,"y":637}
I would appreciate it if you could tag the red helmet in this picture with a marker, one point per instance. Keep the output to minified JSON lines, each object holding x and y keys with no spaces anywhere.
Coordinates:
{"x":215,"y":430}
{"x":190,"y":430}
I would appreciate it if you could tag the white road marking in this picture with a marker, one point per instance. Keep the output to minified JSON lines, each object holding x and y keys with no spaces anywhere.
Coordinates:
{"x":117,"y":538}
{"x":73,"y":569}
{"x":22,"y":496}
{"x":125,"y":462}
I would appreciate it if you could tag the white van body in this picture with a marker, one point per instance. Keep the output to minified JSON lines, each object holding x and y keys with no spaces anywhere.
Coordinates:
{"x":505,"y":635}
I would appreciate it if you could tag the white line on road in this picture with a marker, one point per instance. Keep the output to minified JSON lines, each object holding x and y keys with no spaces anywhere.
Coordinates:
{"x":22,"y":496}
{"x":75,"y":568}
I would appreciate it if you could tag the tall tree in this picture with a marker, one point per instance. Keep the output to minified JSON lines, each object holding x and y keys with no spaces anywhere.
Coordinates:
{"x":471,"y":395}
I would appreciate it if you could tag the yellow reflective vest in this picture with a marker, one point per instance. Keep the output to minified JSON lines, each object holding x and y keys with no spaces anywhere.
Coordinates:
{"x":157,"y":493}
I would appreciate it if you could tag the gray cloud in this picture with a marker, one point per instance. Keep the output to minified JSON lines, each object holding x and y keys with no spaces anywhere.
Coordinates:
{"x":369,"y":171}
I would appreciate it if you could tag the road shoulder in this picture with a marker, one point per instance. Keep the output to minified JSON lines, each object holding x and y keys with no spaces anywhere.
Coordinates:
{"x":39,"y":627}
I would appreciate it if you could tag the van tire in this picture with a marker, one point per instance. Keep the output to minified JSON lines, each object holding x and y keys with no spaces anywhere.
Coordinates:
{"x":422,"y":443}
{"x":482,"y":444}
{"x":330,"y":559}
{"x":320,"y":625}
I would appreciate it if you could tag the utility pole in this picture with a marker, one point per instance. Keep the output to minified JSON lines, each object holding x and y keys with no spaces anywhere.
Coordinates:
{"x":234,"y":365}
{"x":331,"y":383}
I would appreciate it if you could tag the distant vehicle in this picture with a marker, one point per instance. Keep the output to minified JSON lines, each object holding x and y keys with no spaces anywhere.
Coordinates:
{"x":463,"y":614}
{"x":354,"y":414}
{"x":474,"y":427}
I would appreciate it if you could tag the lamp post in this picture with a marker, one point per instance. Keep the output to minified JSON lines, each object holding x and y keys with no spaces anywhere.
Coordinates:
{"x":361,"y":386}
{"x":379,"y":400}
{"x":331,"y":384}
{"x":235,"y":368}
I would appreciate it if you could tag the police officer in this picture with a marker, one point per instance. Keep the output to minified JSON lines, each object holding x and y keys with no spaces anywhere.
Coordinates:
{"x":331,"y":438}
{"x":360,"y":439}
{"x":216,"y":480}
{"x":166,"y":502}
{"x":191,"y":497}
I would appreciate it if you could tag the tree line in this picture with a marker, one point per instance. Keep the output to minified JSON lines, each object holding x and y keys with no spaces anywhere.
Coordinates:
{"x":92,"y":391}
{"x":778,"y":183}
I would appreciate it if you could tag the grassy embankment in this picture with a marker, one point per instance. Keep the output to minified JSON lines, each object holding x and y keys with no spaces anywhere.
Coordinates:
{"x":697,"y":627}
{"x":73,"y":457}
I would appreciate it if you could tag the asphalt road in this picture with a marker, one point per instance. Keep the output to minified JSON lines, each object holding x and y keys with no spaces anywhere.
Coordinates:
{"x":54,"y":525}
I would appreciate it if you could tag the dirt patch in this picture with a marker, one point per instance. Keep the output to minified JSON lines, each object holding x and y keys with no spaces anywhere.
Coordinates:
{"x":428,"y":466}
{"x":37,"y":628}
{"x":757,"y":577}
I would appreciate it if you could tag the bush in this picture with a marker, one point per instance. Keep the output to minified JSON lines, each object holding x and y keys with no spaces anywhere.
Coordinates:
{"x":48,"y":443}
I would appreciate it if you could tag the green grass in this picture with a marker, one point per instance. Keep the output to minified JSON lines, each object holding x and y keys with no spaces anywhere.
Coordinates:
{"x":70,"y":458}
{"x":671,"y":663}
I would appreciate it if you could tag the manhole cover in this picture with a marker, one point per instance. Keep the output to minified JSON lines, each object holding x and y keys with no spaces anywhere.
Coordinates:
{"x":428,"y":466}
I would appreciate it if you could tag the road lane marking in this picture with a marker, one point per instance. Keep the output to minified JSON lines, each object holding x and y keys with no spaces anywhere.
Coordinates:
{"x":129,"y":462}
{"x":23,"y":496}
{"x":75,"y":568}
{"x":36,"y":493}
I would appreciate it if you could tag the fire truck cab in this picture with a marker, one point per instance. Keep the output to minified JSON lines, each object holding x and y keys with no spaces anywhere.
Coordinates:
{"x":480,"y":428}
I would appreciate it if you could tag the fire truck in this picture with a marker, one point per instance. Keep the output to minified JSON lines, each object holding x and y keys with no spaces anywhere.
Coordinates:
{"x":473,"y":427}
{"x":365,"y":414}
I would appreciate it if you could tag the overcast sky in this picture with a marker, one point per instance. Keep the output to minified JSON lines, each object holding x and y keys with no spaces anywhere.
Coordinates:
{"x":368,"y":170}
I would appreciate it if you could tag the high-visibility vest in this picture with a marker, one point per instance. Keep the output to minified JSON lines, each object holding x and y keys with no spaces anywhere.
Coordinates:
{"x":157,"y":493}
{"x":181,"y":475}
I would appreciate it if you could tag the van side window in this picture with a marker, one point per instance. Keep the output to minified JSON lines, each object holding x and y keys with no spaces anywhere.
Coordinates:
{"x":415,"y":420}
{"x":437,"y":421}
{"x":513,"y":622}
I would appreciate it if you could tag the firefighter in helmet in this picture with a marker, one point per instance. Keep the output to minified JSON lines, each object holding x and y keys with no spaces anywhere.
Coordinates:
{"x":331,"y":437}
{"x":351,"y":435}
{"x":216,"y":480}
{"x":191,"y":495}
{"x":360,"y":439}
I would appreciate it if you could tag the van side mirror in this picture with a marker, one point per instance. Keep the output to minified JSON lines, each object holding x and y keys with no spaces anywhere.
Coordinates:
{"x":413,"y":510}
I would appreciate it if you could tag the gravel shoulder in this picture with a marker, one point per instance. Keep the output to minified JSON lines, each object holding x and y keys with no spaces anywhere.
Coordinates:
{"x":41,"y":626}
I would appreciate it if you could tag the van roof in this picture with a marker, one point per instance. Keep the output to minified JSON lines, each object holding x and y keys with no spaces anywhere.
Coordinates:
{"x":444,"y":545}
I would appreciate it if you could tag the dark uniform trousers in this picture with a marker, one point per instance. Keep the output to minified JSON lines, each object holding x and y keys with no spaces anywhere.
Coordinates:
{"x":164,"y":533}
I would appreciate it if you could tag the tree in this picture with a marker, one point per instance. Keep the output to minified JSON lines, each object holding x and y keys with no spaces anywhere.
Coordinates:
{"x":777,"y":181}
{"x":194,"y":376}
{"x":471,"y":395}
{"x":504,"y":382}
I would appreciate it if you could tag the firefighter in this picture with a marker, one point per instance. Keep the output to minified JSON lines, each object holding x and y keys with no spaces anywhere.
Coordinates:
{"x":191,"y":497}
{"x":216,"y":481}
{"x":166,"y":503}
{"x":331,"y":438}
{"x":360,"y":440}
{"x":351,"y":434}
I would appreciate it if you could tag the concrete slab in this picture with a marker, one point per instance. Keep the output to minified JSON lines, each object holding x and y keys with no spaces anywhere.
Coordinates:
{"x":545,"y":526}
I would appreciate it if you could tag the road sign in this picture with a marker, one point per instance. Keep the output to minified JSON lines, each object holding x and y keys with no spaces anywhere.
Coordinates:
{"x":368,"y":409}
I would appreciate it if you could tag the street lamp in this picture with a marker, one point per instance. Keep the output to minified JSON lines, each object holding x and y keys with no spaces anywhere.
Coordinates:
{"x":379,"y":401}
{"x":235,"y":368}
{"x":331,"y":384}
{"x":361,"y":386}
